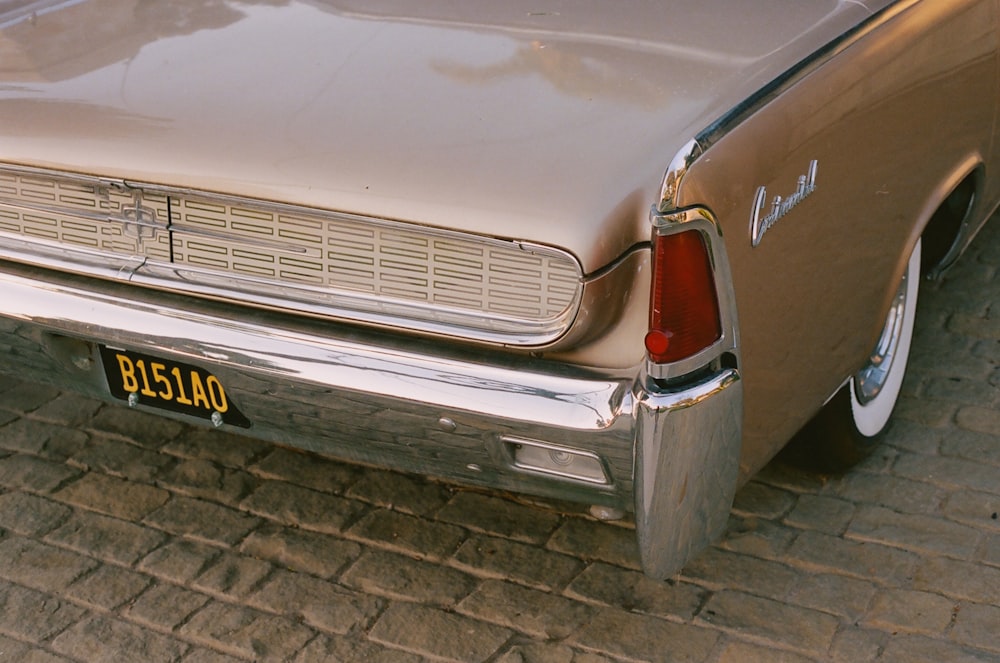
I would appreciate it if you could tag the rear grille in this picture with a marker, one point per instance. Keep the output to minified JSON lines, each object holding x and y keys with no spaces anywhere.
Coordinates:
{"x":338,"y":265}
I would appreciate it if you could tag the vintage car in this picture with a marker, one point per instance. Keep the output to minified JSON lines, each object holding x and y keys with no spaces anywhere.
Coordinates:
{"x":618,"y":253}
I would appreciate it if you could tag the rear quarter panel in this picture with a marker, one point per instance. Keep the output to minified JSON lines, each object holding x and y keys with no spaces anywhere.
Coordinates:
{"x":895,"y":117}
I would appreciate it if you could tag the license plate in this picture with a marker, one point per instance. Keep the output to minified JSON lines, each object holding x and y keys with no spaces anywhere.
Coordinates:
{"x":142,"y":379}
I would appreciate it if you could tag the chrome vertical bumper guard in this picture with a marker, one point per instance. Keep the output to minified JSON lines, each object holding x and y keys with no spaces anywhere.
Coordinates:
{"x":687,"y":461}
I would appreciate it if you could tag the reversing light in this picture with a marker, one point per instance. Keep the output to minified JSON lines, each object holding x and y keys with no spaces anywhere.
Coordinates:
{"x":684,"y":308}
{"x":556,"y":461}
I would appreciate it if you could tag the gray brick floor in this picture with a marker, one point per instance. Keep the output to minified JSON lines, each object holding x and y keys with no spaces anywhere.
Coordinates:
{"x":126,"y":537}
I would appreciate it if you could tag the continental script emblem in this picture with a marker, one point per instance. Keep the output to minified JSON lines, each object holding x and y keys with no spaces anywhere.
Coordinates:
{"x":779,"y":206}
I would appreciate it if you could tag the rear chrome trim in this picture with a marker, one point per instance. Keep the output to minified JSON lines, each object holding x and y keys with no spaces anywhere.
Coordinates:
{"x":668,"y":451}
{"x":330,"y":264}
{"x":687,"y":463}
{"x":359,"y":397}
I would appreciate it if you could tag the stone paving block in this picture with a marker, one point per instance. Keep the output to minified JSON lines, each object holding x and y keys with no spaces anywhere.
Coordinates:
{"x":979,"y":419}
{"x":977,"y":447}
{"x":303,"y":507}
{"x":29,"y":615}
{"x":246,"y":633}
{"x":519,"y":562}
{"x":951,"y":473}
{"x":593,"y":540}
{"x":206,"y":480}
{"x":927,"y":360}
{"x":978,"y":626}
{"x":958,"y":579}
{"x":913,"y":532}
{"x":590,"y":657}
{"x":320,"y":603}
{"x":821,"y":513}
{"x":106,"y":538}
{"x":108,"y":587}
{"x":306,"y":469}
{"x":201,"y":520}
{"x":9,"y":381}
{"x":645,"y":638}
{"x":437,"y":634}
{"x":988,"y":349}
{"x":41,"y":566}
{"x":13,"y":651}
{"x":853,"y":644}
{"x":957,"y":389}
{"x":629,"y":590}
{"x":400,"y":492}
{"x":539,"y":614}
{"x":179,"y":560}
{"x":792,"y":626}
{"x":226,"y":449}
{"x":925,"y":411}
{"x":164,"y":606}
{"x":117,"y":458}
{"x":762,"y":501}
{"x":27,"y":396}
{"x":756,"y":537}
{"x":908,"y":436}
{"x":836,"y":594}
{"x":30,"y":515}
{"x":33,"y":474}
{"x":41,"y":439}
{"x":499,"y":517}
{"x":232,"y":577}
{"x":327,"y":648}
{"x":201,"y":655}
{"x":68,"y":409}
{"x":921,"y":649}
{"x":742,"y":652}
{"x":990,"y":550}
{"x":548,"y":652}
{"x":911,"y":611}
{"x":101,"y":639}
{"x":897,"y":493}
{"x":978,"y":510}
{"x":409,"y":534}
{"x":821,"y":552}
{"x":300,"y":550}
{"x":974,"y":326}
{"x":144,"y":429}
{"x":720,"y":569}
{"x":400,"y":577}
{"x":113,"y":496}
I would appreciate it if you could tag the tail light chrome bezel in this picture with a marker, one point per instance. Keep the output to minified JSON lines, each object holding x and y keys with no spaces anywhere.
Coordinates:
{"x":701,"y":219}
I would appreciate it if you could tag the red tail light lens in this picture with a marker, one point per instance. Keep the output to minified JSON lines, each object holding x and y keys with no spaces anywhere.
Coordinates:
{"x":684,"y":308}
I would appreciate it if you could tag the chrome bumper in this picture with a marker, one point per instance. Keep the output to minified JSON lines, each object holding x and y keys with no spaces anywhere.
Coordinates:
{"x":464,"y":416}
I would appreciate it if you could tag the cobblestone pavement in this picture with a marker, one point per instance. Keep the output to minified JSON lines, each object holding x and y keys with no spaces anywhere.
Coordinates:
{"x":126,"y":537}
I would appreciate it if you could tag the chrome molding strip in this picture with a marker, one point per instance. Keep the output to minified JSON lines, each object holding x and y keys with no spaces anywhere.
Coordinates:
{"x":711,"y":134}
{"x":281,"y":256}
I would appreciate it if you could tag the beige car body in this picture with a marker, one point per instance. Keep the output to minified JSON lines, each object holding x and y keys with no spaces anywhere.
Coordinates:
{"x":558,"y":129}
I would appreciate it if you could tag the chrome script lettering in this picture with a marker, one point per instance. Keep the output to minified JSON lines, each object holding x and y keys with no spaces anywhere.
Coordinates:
{"x":779,"y":207}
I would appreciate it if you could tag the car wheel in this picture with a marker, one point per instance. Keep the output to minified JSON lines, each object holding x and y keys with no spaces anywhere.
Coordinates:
{"x":850,"y":425}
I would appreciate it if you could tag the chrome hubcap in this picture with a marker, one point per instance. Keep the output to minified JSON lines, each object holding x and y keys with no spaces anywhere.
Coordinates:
{"x":869,"y":380}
